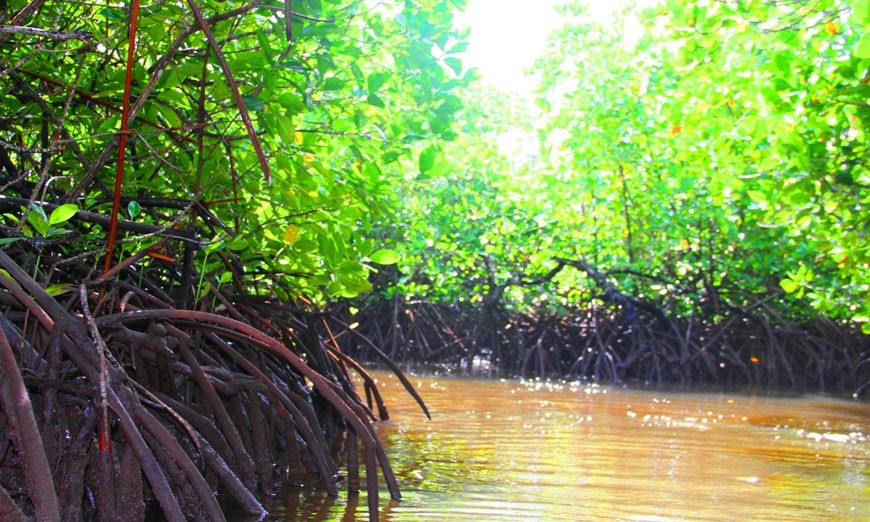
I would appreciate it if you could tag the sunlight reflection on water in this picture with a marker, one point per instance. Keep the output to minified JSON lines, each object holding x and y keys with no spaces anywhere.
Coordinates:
{"x":533,"y":450}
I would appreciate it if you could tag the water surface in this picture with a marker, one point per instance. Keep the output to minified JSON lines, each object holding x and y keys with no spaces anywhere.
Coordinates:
{"x":511,"y":450}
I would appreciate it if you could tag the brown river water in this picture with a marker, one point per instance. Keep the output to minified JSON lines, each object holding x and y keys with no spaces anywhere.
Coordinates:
{"x":508,"y":450}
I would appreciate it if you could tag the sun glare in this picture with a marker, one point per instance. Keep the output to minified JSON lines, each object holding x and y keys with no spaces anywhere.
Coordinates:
{"x":507,"y":36}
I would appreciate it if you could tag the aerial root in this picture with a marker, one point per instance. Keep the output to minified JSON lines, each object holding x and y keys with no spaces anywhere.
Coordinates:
{"x":166,"y":406}
{"x":609,"y":336}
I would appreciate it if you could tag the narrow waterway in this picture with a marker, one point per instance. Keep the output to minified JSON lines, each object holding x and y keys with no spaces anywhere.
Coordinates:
{"x":532,"y":450}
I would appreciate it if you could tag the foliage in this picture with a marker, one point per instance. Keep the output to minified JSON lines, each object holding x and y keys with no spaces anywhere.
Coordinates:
{"x":774,"y":97}
{"x":260,"y":138}
{"x":707,"y":154}
{"x":336,"y":92}
{"x":716,"y":159}
{"x":466,"y":232}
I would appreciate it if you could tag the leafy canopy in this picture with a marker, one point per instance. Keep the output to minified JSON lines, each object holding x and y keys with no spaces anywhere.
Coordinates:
{"x":337,"y":93}
{"x":721,"y":152}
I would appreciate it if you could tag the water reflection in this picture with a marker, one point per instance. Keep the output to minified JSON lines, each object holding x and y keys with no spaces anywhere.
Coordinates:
{"x":510,"y":450}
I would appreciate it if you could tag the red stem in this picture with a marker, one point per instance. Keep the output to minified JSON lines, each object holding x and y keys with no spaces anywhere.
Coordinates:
{"x":122,"y":143}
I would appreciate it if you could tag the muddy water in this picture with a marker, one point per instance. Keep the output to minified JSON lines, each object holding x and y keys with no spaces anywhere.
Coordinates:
{"x":511,"y":450}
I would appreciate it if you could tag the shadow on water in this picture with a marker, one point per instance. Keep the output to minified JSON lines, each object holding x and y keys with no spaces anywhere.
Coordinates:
{"x":537,"y":450}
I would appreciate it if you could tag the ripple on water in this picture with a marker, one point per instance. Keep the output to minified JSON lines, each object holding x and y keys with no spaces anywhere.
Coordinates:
{"x":510,"y":450}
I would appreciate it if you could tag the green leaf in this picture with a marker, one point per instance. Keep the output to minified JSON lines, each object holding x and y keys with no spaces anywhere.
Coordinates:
{"x":354,"y":284}
{"x":253,"y":103}
{"x":7,"y":275}
{"x":62,"y":214}
{"x":391,"y":156}
{"x":335,"y":289}
{"x":58,"y":289}
{"x":333,"y":84}
{"x":239,"y":243}
{"x":292,"y":102}
{"x":428,"y":158}
{"x":38,"y":221}
{"x":789,"y":285}
{"x":860,"y":12}
{"x":455,"y":64}
{"x":385,"y":256}
{"x":862,"y":48}
{"x":57,"y":232}
{"x":217,"y":245}
{"x":133,"y":209}
{"x":376,"y":81}
{"x":357,"y":74}
{"x":757,"y":196}
{"x":39,"y":211}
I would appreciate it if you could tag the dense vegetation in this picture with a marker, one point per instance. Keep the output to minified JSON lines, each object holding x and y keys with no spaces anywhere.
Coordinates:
{"x":176,"y":196}
{"x":189,"y":206}
{"x":693,"y":186}
{"x":724,"y":149}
